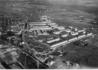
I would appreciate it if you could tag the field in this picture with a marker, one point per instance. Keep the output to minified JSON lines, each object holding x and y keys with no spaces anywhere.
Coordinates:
{"x":81,"y":17}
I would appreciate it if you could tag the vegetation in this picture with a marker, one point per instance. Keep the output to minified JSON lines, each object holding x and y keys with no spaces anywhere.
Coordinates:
{"x":14,"y":11}
{"x":30,"y":9}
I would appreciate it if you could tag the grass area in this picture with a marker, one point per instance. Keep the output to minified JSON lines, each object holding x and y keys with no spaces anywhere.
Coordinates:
{"x":68,"y":15}
{"x":29,"y":10}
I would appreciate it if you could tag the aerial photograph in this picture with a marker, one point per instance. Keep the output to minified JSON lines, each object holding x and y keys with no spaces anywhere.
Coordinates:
{"x":48,"y":34}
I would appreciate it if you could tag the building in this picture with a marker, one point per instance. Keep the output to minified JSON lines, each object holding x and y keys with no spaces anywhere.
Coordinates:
{"x":54,"y":40}
{"x":40,"y":30}
{"x":54,"y":46}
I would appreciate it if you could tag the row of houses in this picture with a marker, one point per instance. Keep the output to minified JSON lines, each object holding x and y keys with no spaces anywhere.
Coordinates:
{"x":65,"y":35}
{"x":65,"y":42}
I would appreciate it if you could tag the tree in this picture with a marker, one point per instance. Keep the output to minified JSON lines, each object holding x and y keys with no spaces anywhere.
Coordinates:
{"x":5,"y":23}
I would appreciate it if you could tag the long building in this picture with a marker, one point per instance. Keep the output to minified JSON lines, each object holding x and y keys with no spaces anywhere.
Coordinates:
{"x":54,"y":46}
{"x":58,"y":44}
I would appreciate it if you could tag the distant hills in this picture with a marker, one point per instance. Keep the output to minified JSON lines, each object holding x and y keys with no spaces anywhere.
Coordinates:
{"x":76,"y":2}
